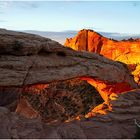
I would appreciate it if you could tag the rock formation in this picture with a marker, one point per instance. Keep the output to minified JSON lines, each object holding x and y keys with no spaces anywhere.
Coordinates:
{"x":30,"y":59}
{"x":58,"y":101}
{"x":118,"y":123}
{"x":9,"y":97}
{"x":33,"y":69}
{"x":126,"y":51}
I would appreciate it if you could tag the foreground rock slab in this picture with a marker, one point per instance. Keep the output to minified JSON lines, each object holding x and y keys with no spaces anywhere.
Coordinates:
{"x":118,"y":123}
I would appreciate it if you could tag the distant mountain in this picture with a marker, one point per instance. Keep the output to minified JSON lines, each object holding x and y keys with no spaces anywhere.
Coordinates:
{"x":61,"y":36}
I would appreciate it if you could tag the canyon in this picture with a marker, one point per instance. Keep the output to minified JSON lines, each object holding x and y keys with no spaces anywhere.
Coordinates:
{"x":48,"y":90}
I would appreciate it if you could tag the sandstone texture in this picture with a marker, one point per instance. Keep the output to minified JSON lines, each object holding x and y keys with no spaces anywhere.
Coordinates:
{"x":52,"y":91}
{"x":58,"y":101}
{"x":27,"y":59}
{"x":9,"y":97}
{"x":126,"y":51}
{"x":118,"y":123}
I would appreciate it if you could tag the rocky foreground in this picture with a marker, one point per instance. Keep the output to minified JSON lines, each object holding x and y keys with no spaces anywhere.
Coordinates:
{"x":118,"y":123}
{"x":40,"y":83}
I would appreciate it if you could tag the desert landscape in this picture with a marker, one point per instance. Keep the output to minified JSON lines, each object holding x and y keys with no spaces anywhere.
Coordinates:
{"x":71,"y":90}
{"x":86,"y":87}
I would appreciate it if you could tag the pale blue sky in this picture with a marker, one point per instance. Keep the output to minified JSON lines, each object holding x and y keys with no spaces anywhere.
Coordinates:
{"x":122,"y":17}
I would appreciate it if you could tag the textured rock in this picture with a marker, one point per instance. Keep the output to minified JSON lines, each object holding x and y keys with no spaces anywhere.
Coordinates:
{"x":5,"y":124}
{"x":119,"y":122}
{"x":29,"y":59}
{"x":25,"y":109}
{"x":34,"y":63}
{"x":9,"y":97}
{"x":126,"y":51}
{"x":94,"y":42}
{"x":58,"y":101}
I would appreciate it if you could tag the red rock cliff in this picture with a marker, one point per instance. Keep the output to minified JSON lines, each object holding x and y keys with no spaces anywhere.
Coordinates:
{"x":126,"y":51}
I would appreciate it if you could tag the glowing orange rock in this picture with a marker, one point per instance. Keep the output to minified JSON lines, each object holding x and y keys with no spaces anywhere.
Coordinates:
{"x":91,"y":41}
{"x":35,"y":88}
{"x":106,"y":89}
{"x":126,"y":51}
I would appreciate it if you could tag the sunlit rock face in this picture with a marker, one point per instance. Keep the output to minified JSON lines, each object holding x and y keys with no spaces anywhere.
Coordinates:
{"x":105,"y":89}
{"x":126,"y":51}
{"x":58,"y":101}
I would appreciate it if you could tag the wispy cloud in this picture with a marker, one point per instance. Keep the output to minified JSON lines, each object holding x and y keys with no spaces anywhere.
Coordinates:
{"x":27,"y":4}
{"x":34,"y":5}
{"x":135,"y":3}
{"x":92,"y":28}
{"x":23,"y":4}
{"x":5,"y":4}
{"x":3,"y":20}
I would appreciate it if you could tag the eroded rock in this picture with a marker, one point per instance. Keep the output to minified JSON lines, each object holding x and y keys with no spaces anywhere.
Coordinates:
{"x":117,"y":123}
{"x":9,"y":97}
{"x":58,"y":101}
{"x":42,"y":61}
{"x":126,"y":51}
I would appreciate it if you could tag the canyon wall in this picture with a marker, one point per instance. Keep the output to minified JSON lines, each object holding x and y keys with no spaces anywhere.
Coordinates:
{"x":126,"y":51}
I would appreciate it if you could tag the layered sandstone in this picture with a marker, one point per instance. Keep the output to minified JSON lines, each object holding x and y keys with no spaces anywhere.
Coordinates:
{"x":30,"y":59}
{"x":126,"y":51}
{"x":30,"y":64}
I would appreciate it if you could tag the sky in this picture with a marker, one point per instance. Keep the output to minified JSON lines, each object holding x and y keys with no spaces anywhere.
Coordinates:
{"x":111,"y":16}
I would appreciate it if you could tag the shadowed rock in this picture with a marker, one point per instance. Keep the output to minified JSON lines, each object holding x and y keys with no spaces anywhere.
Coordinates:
{"x":118,"y":123}
{"x":58,"y":101}
{"x":9,"y":97}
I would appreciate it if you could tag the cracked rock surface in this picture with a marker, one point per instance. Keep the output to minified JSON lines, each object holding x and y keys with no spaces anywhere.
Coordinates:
{"x":27,"y":59}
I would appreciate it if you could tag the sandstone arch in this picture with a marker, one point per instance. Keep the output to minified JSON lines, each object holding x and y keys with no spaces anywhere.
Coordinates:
{"x":27,"y":66}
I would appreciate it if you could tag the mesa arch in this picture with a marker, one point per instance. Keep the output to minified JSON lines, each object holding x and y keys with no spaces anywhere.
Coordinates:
{"x":27,"y":59}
